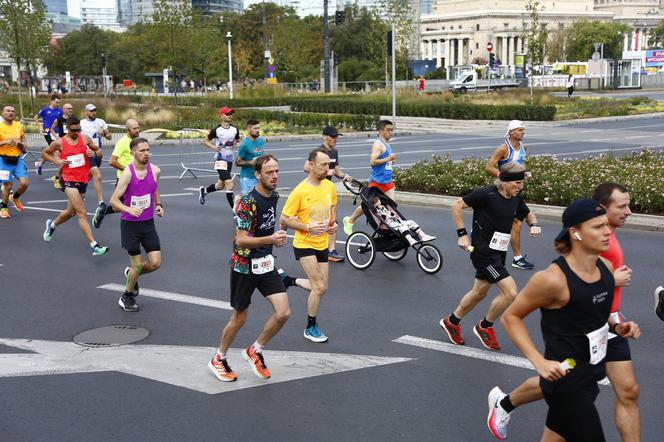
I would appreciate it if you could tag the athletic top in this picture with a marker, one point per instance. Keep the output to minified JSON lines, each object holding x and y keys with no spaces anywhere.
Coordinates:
{"x":566,"y":329}
{"x":61,"y":126}
{"x":311,"y":204}
{"x":518,"y":156}
{"x":123,"y":152}
{"x":224,"y":139}
{"x":257,"y":215}
{"x":334,"y":160}
{"x":614,"y":254}
{"x":78,"y":169}
{"x":140,"y":193}
{"x":91,"y":129}
{"x":493,"y":216}
{"x":250,"y":149}
{"x":382,"y":173}
{"x":15,"y":131}
{"x":48,"y":116}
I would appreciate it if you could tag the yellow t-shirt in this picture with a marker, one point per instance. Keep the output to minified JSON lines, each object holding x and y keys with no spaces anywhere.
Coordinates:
{"x":15,"y":130}
{"x":123,"y":152}
{"x":311,"y":204}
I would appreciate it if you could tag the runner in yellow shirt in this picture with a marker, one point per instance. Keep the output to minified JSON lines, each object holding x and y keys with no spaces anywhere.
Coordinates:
{"x":12,"y":145}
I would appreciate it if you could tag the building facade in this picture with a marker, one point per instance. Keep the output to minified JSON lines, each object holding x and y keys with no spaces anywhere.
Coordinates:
{"x":56,"y":6}
{"x":642,"y":16}
{"x":211,"y":7}
{"x":101,"y":13}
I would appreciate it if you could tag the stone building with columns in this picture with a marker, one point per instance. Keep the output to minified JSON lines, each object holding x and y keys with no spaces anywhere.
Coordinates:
{"x":640,"y":15}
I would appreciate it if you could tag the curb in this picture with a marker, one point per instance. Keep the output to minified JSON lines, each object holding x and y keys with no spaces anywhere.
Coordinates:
{"x":636,"y":221}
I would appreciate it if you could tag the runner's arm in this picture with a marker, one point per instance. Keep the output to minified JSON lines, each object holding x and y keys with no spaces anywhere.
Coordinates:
{"x":53,"y":131}
{"x":492,"y":164}
{"x":159,"y":209}
{"x":291,"y":222}
{"x":376,"y":151}
{"x":457,"y":215}
{"x":242,"y":239}
{"x":210,"y":145}
{"x":92,"y":146}
{"x":113,"y":162}
{"x":47,"y":153}
{"x":119,"y":191}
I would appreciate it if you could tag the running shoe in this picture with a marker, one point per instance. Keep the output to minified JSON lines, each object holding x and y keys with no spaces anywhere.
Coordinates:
{"x":201,"y":195}
{"x":56,"y":182}
{"x":348,"y":226}
{"x":522,"y":264}
{"x":425,"y":238}
{"x":314,"y":334}
{"x":288,"y":281}
{"x":498,"y":418}
{"x":453,"y":331}
{"x":335,"y":256}
{"x":98,"y":250}
{"x":659,"y":302}
{"x":48,"y":233}
{"x":487,"y":336}
{"x":39,"y":166}
{"x":257,"y":362}
{"x":126,"y":273}
{"x":4,"y":213}
{"x":16,"y":202}
{"x":128,"y":303}
{"x":99,"y":215}
{"x":221,"y":369}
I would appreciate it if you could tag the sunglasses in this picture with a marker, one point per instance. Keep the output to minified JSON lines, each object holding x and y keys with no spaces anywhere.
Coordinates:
{"x":75,"y":130}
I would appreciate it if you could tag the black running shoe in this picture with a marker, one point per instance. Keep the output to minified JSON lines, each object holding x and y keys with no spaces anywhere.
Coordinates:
{"x":659,"y":302}
{"x":128,"y":303}
{"x":99,"y":216}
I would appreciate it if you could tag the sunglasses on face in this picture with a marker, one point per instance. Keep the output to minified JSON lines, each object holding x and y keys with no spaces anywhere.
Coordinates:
{"x":75,"y":130}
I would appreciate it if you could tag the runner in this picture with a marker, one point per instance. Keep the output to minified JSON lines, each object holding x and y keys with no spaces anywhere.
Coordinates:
{"x":574,"y":295}
{"x":75,"y":148}
{"x":494,"y":209}
{"x":381,"y":162}
{"x":136,"y":197}
{"x":96,"y":129}
{"x":12,"y":145}
{"x":58,"y":130}
{"x":251,"y":147}
{"x":120,"y":159}
{"x":49,"y":114}
{"x":222,"y":139}
{"x":252,"y":267}
{"x":311,"y":211}
{"x":614,"y":198}
{"x":512,"y":150}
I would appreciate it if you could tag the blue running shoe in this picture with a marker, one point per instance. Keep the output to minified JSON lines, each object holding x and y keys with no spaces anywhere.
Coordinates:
{"x":522,"y":264}
{"x":314,"y":334}
{"x":48,"y":233}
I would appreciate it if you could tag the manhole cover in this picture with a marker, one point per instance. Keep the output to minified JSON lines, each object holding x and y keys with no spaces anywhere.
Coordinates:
{"x":111,"y":336}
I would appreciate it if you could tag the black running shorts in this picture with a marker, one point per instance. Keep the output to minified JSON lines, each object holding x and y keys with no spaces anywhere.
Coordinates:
{"x":321,"y":255}
{"x":81,"y":187}
{"x":226,"y":174}
{"x":491,"y":269}
{"x":244,"y":284}
{"x":618,"y":350}
{"x":572,"y":414}
{"x":139,"y":233}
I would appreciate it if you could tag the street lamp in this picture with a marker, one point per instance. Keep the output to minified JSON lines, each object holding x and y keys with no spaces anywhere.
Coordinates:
{"x":229,"y":37}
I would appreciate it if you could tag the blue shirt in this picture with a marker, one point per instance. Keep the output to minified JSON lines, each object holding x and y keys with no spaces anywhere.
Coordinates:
{"x":382,"y":173}
{"x":518,"y":156}
{"x":49,"y":115}
{"x":250,"y":149}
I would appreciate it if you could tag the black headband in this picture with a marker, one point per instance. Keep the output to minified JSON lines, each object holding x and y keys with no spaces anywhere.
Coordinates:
{"x":512,"y":176}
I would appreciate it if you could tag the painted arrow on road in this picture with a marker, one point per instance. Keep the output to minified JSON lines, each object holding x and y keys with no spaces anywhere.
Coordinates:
{"x":175,"y":365}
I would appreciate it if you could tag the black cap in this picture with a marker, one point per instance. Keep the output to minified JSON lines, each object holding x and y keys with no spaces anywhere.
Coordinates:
{"x":331,"y":131}
{"x":578,"y":212}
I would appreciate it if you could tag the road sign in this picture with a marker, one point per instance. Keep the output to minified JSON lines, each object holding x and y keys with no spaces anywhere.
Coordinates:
{"x":489,"y":46}
{"x":596,"y":56}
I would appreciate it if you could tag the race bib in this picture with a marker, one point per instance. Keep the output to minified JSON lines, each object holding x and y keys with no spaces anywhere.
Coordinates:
{"x":262,"y":265}
{"x":597,"y":341}
{"x":388,"y":165}
{"x":76,"y":160}
{"x":500,"y":241}
{"x":220,"y":165}
{"x":4,"y":175}
{"x":142,"y":202}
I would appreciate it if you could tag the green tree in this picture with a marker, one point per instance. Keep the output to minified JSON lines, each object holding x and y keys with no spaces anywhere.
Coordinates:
{"x":79,"y":52}
{"x":583,"y":34}
{"x":555,"y":45}
{"x":657,"y":36}
{"x":534,"y":33}
{"x":298,"y":47}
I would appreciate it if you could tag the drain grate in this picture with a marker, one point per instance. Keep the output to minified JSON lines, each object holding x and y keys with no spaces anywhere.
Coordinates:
{"x":111,"y":336}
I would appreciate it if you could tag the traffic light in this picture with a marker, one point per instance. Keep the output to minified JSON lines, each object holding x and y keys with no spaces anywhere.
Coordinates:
{"x":492,"y":59}
{"x":339,"y":17}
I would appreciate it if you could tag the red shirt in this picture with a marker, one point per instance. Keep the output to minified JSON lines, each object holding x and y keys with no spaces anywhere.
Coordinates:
{"x":78,"y":171}
{"x":614,"y":254}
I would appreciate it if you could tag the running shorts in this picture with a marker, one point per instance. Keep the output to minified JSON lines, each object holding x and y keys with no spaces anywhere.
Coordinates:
{"x":244,"y":284}
{"x":81,"y":187}
{"x":618,"y":350}
{"x":491,"y":269}
{"x":383,"y":187}
{"x":572,"y":414}
{"x":139,"y":233}
{"x":18,"y":170}
{"x":226,"y":174}
{"x":95,"y":162}
{"x":321,"y":255}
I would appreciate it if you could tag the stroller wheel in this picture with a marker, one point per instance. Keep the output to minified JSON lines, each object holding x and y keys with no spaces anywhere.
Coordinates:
{"x":360,"y":250}
{"x":396,"y":255}
{"x":429,"y":258}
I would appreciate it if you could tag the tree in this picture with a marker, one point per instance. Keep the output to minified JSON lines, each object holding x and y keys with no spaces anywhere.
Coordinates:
{"x":583,"y":34}
{"x":555,"y":45}
{"x":657,"y":36}
{"x":79,"y":52}
{"x":534,"y":33}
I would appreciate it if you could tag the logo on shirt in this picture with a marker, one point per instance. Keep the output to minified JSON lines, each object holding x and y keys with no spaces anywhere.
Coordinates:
{"x":601,"y":297}
{"x":268,"y":220}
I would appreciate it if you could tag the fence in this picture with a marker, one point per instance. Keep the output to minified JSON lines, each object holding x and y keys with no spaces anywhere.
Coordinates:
{"x":195,"y":157}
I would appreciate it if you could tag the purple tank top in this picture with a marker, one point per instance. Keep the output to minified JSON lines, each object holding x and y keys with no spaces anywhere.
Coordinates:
{"x":140,"y":193}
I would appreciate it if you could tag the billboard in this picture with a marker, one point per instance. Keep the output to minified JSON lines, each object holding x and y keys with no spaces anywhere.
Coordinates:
{"x":655,"y":58}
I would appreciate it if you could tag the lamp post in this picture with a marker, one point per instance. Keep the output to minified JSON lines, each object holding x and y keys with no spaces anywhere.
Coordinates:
{"x":229,"y":37}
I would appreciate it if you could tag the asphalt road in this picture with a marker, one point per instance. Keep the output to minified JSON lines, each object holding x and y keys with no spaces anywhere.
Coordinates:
{"x":160,"y":388}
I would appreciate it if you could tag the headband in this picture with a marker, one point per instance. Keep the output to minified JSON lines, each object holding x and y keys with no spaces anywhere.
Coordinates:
{"x":515,"y":176}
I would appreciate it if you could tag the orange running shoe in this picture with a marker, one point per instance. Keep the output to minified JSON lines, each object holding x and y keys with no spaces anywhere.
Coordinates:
{"x":16,"y":202}
{"x":257,"y":362}
{"x":221,"y":369}
{"x":487,"y":336}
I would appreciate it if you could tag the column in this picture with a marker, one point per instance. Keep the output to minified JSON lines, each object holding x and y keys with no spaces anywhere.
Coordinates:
{"x":626,"y":42}
{"x":439,"y":53}
{"x":512,"y":56}
{"x":637,"y":40}
{"x":459,"y":60}
{"x":644,"y":32}
{"x":503,"y":47}
{"x":432,"y":51}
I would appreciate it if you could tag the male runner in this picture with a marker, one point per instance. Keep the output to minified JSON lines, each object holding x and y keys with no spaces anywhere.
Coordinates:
{"x":74,"y":149}
{"x":120,"y":159}
{"x":512,"y":150}
{"x":49,"y":114}
{"x":58,"y":130}
{"x":251,"y":147}
{"x":494,"y":209}
{"x":574,"y":295}
{"x":222,"y":139}
{"x":311,"y":211}
{"x":382,"y":158}
{"x":136,"y":196}
{"x":614,"y":198}
{"x":252,"y":267}
{"x":96,"y":129}
{"x":12,"y":145}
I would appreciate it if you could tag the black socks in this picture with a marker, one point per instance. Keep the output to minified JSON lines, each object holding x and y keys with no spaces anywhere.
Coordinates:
{"x":229,"y":197}
{"x":311,"y":321}
{"x":454,"y":320}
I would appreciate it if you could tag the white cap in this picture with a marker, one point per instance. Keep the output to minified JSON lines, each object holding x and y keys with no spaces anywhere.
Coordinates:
{"x":514,"y":124}
{"x":90,"y":107}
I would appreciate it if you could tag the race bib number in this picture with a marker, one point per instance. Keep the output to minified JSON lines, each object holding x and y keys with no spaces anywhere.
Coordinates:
{"x":388,"y":165}
{"x":220,"y":165}
{"x":76,"y":160}
{"x":140,"y":202}
{"x":4,"y":175}
{"x":597,"y":341}
{"x":262,"y":265}
{"x":500,"y":241}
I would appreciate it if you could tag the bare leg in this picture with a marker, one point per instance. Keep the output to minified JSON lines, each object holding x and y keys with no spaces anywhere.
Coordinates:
{"x":506,"y":296}
{"x":6,"y":189}
{"x":23,"y":186}
{"x":238,"y":319}
{"x":551,"y":436}
{"x":280,"y":314}
{"x":96,"y":181}
{"x":76,"y":200}
{"x":317,"y":272}
{"x":515,"y":237}
{"x":138,"y":267}
{"x":528,"y":391}
{"x":332,"y":241}
{"x":623,"y":380}
{"x":472,"y":298}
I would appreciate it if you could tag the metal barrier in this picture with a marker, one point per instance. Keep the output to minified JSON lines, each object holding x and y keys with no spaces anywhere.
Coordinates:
{"x":188,"y":160}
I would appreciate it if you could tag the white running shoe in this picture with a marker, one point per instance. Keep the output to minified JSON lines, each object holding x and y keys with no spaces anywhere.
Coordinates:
{"x":498,"y":418}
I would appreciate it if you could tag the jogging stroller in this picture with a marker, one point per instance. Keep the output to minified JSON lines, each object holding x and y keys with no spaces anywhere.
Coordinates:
{"x":361,"y":247}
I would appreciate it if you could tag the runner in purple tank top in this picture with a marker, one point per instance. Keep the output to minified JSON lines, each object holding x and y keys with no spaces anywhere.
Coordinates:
{"x":137,"y":198}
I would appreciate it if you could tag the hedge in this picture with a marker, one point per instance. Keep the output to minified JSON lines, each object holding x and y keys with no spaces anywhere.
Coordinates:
{"x":555,"y":182}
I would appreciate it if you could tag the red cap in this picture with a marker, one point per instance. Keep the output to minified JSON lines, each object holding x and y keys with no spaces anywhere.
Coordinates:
{"x":225,"y":110}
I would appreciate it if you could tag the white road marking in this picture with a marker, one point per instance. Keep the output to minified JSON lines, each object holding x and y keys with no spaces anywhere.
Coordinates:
{"x":170,"y":296}
{"x":642,"y":136}
{"x":176,"y":194}
{"x":46,"y":202}
{"x":44,"y":209}
{"x":181,"y":366}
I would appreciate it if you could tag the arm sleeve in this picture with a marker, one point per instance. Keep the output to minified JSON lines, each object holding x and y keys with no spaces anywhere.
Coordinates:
{"x":237,"y":133}
{"x":212,"y":135}
{"x":292,"y":203}
{"x":522,"y":211}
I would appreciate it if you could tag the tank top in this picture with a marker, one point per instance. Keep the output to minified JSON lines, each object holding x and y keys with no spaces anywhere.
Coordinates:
{"x":382,"y":173}
{"x":614,"y":254}
{"x":565,"y":330}
{"x":140,"y":193}
{"x":518,"y":156}
{"x":78,"y":169}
